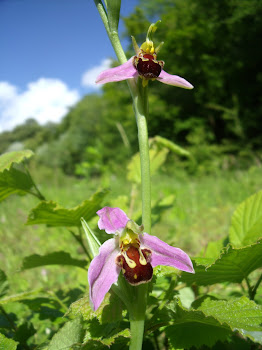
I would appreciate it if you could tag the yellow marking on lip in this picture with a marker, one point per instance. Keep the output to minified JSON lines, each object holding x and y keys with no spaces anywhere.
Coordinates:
{"x":142,"y":259}
{"x":129,"y":261}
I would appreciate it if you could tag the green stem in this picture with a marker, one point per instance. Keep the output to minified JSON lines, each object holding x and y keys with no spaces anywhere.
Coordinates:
{"x":253,"y":291}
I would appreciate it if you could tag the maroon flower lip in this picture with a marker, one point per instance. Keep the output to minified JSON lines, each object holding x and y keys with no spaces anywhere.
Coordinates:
{"x":147,"y":66}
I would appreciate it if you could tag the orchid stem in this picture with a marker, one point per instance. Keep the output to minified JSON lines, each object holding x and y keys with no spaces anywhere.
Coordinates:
{"x":139,"y":93}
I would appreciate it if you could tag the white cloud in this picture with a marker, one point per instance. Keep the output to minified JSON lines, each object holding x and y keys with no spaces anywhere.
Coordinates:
{"x":44,"y":100}
{"x":89,"y":77}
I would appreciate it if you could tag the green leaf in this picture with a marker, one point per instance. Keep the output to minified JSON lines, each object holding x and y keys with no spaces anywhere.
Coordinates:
{"x":92,"y":241}
{"x":7,"y":159}
{"x":157,"y":158}
{"x":104,"y":343}
{"x":246,"y":224}
{"x":14,"y":181}
{"x":19,"y":297}
{"x":50,"y":213}
{"x":171,"y":146}
{"x":4,"y":285}
{"x":109,"y":311}
{"x":70,"y":334}
{"x":242,"y":314}
{"x":7,"y":344}
{"x":194,"y":328}
{"x":56,"y":258}
{"x":215,"y":320}
{"x":233,"y":265}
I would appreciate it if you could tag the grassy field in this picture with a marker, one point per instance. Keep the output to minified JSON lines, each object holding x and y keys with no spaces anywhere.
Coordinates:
{"x":201,"y":213}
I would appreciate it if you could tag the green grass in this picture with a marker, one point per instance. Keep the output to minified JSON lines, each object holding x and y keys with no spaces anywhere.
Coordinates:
{"x":201,"y":213}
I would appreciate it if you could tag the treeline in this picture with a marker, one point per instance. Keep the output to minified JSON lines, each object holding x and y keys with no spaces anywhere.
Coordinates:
{"x":215,"y":45}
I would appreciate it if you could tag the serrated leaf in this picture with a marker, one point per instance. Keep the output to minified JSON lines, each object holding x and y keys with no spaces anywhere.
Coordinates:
{"x":246,"y":224}
{"x":173,"y":147}
{"x":7,"y":159}
{"x":4,"y":285}
{"x":56,"y":258}
{"x":7,"y":344}
{"x":157,"y":158}
{"x":70,"y":334}
{"x":50,"y":213}
{"x":14,"y":181}
{"x":233,"y":265}
{"x":109,"y":311}
{"x":242,"y":314}
{"x":102,"y":343}
{"x":194,"y":328}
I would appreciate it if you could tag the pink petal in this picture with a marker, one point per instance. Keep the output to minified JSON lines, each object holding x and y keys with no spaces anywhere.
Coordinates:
{"x":122,"y":72}
{"x":164,"y":254}
{"x":103,"y":272}
{"x":174,"y":80}
{"x":112,"y":219}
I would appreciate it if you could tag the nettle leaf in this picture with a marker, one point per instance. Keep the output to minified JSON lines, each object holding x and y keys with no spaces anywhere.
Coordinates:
{"x":194,"y":328}
{"x":56,"y":258}
{"x":4,"y":285}
{"x":72,"y":333}
{"x":233,"y":265}
{"x":106,"y":342}
{"x":7,"y":159}
{"x":7,"y":344}
{"x":242,"y":314}
{"x":109,"y":311}
{"x":246,"y":224}
{"x":50,"y":213}
{"x":13,"y":180}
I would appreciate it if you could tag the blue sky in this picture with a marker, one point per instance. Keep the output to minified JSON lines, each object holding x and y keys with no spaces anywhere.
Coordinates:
{"x":50,"y":52}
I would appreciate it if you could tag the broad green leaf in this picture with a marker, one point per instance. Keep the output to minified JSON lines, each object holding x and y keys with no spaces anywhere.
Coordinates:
{"x":171,"y":146}
{"x":4,"y":286}
{"x":50,"y":213}
{"x":157,"y":158}
{"x":246,"y":224}
{"x":14,"y":181}
{"x":7,"y":159}
{"x":215,"y":320}
{"x":19,"y":297}
{"x":194,"y":328}
{"x":109,"y":311}
{"x":105,"y":342}
{"x":242,"y":314}
{"x":56,"y":258}
{"x":233,"y":265}
{"x":70,"y":334}
{"x":7,"y":344}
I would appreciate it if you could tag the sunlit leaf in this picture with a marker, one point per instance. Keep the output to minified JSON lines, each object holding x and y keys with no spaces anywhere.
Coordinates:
{"x":233,"y":265}
{"x":50,"y":213}
{"x":7,"y":159}
{"x":215,"y":320}
{"x":105,"y":342}
{"x":7,"y":344}
{"x":70,"y":334}
{"x":246,"y":225}
{"x":56,"y":258}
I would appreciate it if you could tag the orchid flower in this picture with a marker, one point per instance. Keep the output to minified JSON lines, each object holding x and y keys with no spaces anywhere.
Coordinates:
{"x":145,"y":65}
{"x":132,"y":251}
